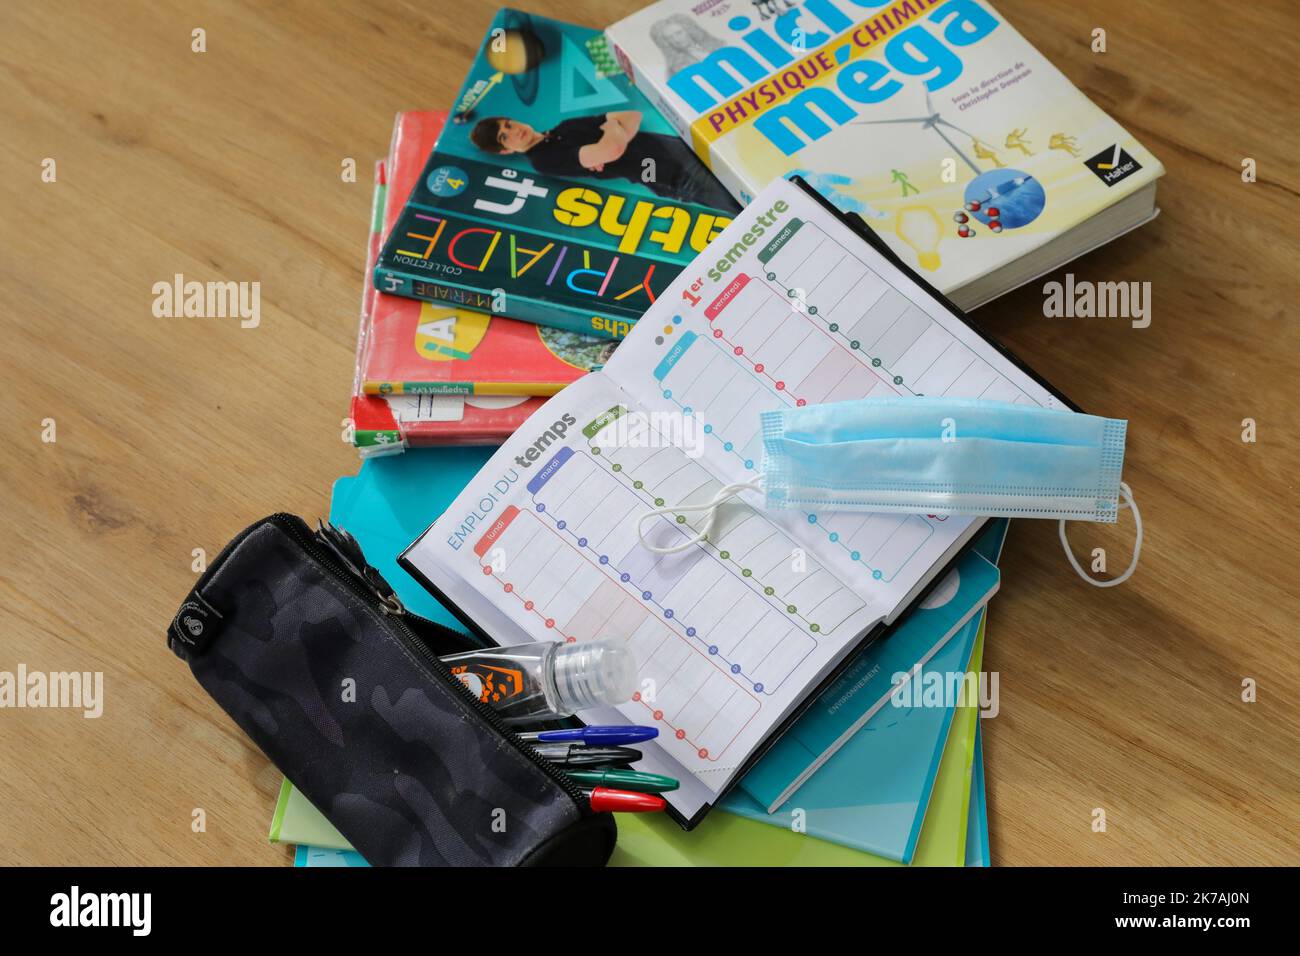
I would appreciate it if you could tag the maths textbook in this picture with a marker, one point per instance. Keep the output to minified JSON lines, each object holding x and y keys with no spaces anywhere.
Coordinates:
{"x":555,"y":194}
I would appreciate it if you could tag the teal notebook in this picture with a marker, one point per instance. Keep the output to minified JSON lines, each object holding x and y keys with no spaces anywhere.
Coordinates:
{"x":865,"y":687}
{"x":323,"y":856}
{"x":390,"y":502}
{"x":849,"y":800}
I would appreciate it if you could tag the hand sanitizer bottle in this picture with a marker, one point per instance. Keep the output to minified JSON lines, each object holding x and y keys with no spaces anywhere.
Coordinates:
{"x":531,"y":682}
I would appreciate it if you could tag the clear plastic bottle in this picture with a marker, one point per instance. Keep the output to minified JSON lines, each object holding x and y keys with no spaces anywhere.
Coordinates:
{"x":531,"y":682}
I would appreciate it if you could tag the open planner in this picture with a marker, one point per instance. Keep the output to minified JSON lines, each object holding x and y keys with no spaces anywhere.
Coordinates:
{"x":791,"y":305}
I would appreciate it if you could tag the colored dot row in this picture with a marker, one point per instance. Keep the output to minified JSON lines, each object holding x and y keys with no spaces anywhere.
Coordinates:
{"x":624,"y":577}
{"x":678,"y":732}
{"x":549,"y":622}
{"x":854,"y":344}
{"x":834,"y":537}
{"x":725,"y":555}
{"x":708,"y":430}
{"x":759,"y":367}
{"x":668,"y":330}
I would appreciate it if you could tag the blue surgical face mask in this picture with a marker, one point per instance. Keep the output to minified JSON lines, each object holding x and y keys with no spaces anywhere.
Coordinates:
{"x":943,"y":456}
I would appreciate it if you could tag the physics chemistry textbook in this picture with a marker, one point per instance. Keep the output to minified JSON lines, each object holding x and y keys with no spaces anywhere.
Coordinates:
{"x":975,"y":158}
{"x":732,"y":637}
{"x":414,"y":347}
{"x":555,"y":194}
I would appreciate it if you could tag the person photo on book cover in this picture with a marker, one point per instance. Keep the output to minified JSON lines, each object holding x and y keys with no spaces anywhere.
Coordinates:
{"x":682,"y":41}
{"x":607,"y":146}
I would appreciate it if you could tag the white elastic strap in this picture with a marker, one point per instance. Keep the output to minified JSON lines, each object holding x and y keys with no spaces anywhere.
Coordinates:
{"x":725,"y":494}
{"x":1137,"y":545}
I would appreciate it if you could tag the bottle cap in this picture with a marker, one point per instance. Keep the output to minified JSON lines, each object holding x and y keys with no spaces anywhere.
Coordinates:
{"x":592,"y":674}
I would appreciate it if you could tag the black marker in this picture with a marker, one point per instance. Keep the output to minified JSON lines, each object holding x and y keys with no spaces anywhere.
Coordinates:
{"x":576,"y":755}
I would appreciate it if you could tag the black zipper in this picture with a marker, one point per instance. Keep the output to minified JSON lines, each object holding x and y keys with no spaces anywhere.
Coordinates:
{"x":391,"y":607}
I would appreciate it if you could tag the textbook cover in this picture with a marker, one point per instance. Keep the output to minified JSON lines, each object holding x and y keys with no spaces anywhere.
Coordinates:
{"x":412,"y":347}
{"x":934,"y":120}
{"x":385,"y":425}
{"x":556,"y":194}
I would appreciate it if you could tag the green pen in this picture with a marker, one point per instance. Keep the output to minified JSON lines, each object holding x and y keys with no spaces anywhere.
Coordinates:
{"x":624,"y":780}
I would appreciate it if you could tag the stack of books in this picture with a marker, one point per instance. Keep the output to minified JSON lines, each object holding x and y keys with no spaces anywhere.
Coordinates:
{"x":516,"y":237}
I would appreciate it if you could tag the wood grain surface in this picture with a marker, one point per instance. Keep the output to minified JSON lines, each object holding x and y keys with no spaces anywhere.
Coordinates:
{"x":174,"y":433}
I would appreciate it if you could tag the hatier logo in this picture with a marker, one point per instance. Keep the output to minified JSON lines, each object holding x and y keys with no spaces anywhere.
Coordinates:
{"x":74,"y":908}
{"x":1113,"y":164}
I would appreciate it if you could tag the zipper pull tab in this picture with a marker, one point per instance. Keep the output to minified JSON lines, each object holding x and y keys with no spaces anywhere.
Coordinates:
{"x":345,"y":547}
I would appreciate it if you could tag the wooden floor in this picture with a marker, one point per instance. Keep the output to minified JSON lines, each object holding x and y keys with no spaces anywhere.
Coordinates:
{"x":172,"y":434}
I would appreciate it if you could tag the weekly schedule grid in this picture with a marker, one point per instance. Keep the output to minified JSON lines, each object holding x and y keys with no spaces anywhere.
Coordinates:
{"x":730,"y":634}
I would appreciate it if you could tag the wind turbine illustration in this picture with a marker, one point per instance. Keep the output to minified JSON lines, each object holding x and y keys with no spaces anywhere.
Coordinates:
{"x":934,"y":121}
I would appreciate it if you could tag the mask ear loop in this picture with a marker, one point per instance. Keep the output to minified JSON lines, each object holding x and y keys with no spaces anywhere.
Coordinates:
{"x":725,"y":494}
{"x":1137,"y":545}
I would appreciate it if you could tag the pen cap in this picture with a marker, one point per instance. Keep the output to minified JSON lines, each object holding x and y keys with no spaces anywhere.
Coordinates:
{"x":592,"y":674}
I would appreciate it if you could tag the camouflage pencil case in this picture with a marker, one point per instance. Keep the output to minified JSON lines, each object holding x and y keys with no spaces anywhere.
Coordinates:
{"x":308,"y":649}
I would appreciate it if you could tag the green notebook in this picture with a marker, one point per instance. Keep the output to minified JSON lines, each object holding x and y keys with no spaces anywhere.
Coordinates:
{"x":297,"y":821}
{"x":723,"y":839}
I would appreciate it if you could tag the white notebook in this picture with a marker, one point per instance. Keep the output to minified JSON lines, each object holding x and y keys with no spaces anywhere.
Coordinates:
{"x":788,"y":306}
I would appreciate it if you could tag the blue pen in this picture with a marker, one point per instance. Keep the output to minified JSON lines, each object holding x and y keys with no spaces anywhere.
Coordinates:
{"x":612,"y":736}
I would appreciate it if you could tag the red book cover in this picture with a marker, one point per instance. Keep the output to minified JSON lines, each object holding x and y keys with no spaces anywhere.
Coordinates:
{"x":385,"y":425}
{"x":415,"y":347}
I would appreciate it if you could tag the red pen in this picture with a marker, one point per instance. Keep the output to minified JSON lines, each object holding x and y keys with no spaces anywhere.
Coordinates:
{"x":605,"y":799}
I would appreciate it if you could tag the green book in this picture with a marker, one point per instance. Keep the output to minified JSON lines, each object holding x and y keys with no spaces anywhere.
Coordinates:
{"x":297,"y":821}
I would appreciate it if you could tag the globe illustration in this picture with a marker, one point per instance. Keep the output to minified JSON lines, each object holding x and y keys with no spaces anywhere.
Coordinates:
{"x":1017,"y":196}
